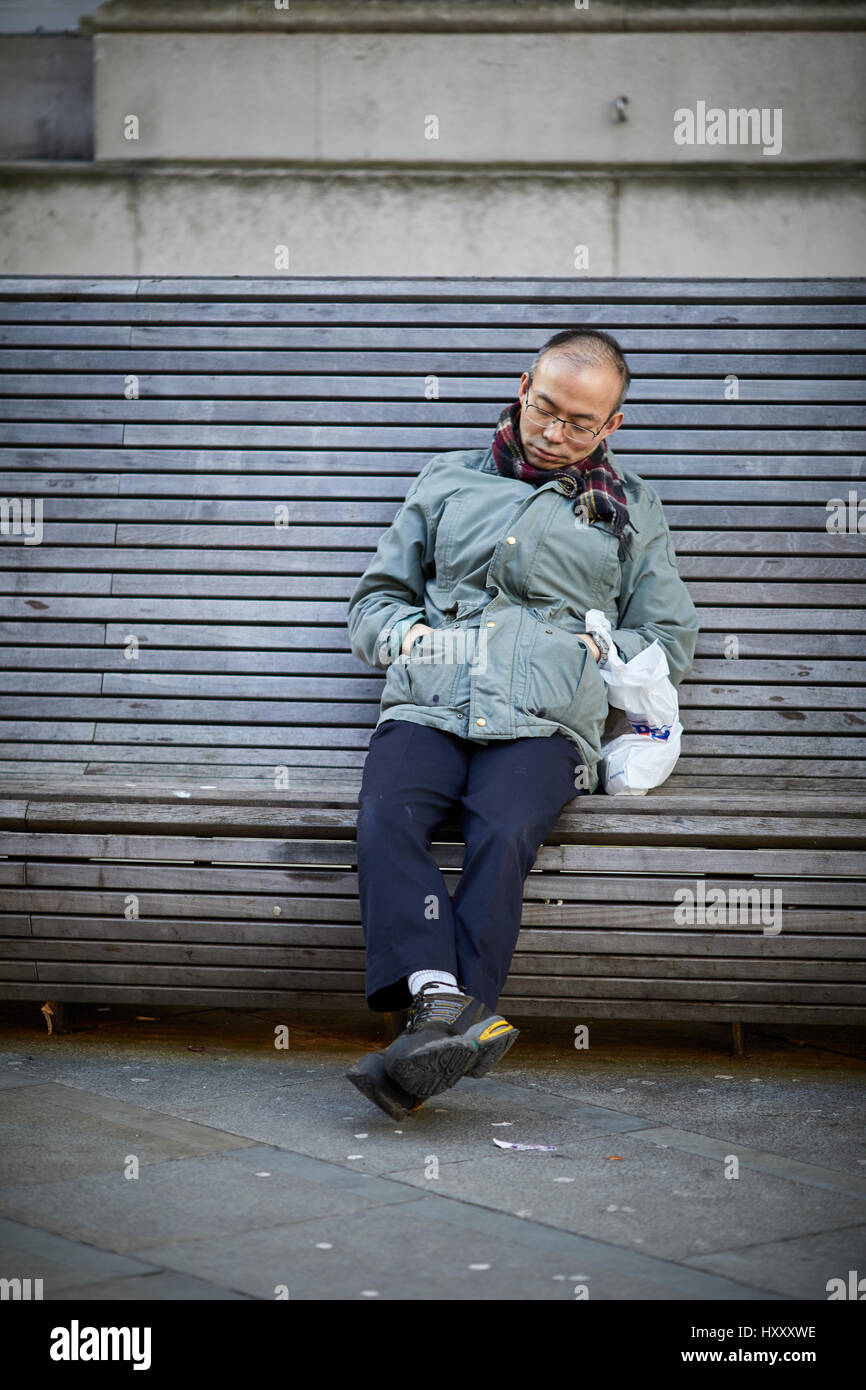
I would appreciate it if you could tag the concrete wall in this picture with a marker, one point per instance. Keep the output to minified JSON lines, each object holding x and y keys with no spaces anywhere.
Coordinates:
{"x":315,"y":136}
{"x":162,"y":223}
{"x":486,"y":99}
{"x":46,"y":97}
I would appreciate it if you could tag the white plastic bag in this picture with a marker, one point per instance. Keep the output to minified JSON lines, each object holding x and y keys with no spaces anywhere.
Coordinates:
{"x":646,"y":757}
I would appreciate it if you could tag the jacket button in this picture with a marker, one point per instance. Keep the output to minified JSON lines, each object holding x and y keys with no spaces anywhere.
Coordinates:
{"x":459,"y":715}
{"x":548,"y":629}
{"x":511,"y":540}
{"x":481,"y":721}
{"x":491,"y":622}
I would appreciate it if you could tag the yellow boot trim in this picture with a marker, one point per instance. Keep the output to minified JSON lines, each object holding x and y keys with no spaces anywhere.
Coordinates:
{"x":493,"y":1030}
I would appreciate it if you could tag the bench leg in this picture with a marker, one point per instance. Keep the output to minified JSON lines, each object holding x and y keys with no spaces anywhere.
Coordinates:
{"x":395,"y":1023}
{"x":739,"y":1048}
{"x":58,"y":1016}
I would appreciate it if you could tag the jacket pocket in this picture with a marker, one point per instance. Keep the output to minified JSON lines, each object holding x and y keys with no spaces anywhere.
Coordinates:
{"x":562,"y":681}
{"x":432,"y":668}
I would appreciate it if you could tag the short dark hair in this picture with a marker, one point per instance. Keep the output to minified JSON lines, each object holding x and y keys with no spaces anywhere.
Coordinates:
{"x":587,"y":347}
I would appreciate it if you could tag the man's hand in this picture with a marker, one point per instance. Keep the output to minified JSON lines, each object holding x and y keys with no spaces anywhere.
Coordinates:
{"x":414,"y":631}
{"x":593,"y":646}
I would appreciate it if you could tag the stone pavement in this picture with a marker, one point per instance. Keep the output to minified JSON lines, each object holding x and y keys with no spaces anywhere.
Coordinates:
{"x":263,"y":1173}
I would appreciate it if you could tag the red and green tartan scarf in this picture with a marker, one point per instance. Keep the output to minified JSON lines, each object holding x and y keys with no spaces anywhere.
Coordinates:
{"x":600,"y":496}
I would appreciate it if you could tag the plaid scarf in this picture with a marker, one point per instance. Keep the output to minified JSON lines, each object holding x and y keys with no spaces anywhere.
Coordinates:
{"x":599,"y":497}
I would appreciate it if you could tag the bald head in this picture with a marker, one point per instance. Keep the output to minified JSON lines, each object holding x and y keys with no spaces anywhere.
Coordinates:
{"x":588,"y":348}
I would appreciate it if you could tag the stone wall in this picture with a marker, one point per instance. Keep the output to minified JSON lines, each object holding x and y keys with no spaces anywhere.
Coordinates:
{"x":439,"y":139}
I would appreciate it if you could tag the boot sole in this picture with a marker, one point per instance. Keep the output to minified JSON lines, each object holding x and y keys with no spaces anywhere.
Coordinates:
{"x":372,"y":1080}
{"x":434,"y":1068}
{"x":493,"y":1051}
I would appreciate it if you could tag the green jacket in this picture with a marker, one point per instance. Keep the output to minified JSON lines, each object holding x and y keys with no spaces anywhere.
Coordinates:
{"x":505,"y":573}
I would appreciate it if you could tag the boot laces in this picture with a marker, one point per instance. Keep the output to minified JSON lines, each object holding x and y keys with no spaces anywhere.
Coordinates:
{"x":435,"y":1008}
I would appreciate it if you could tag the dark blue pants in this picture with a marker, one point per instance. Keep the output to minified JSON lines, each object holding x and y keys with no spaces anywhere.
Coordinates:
{"x":511,"y":794}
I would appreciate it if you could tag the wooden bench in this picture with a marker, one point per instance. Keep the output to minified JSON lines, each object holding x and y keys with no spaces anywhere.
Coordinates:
{"x":178,"y":824}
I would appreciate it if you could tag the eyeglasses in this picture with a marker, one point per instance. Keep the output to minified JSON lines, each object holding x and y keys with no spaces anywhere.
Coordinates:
{"x":575,"y":433}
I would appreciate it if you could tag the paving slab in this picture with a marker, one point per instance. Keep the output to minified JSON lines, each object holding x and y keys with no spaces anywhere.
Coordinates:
{"x":326,"y":1118}
{"x":175,"y":1200}
{"x":799,"y":1267}
{"x":674,"y":1203}
{"x":52,"y":1131}
{"x":759,"y":1110}
{"x":28,"y":1252}
{"x":419,"y":1252}
{"x":159,"y":1287}
{"x":155,"y":1071}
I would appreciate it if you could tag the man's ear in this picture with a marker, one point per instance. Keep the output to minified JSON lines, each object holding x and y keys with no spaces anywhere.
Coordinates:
{"x":614,"y":423}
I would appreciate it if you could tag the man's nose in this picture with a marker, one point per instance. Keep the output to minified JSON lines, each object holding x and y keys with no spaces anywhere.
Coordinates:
{"x":553,"y":425}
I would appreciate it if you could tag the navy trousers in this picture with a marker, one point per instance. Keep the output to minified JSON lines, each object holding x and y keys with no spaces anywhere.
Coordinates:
{"x":510,"y":793}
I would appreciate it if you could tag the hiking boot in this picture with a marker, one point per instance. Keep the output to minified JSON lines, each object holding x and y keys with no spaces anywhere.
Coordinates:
{"x":373,"y":1081}
{"x":448,"y":1036}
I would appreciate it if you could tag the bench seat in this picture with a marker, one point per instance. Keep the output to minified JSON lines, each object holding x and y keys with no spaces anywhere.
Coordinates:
{"x":180,"y":829}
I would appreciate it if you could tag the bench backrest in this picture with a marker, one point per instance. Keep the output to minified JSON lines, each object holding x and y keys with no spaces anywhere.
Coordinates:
{"x":216,"y":459}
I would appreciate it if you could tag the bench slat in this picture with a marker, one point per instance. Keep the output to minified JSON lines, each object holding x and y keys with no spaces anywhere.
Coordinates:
{"x":621,"y":931}
{"x":156,"y":385}
{"x":615,"y":316}
{"x":806,"y":369}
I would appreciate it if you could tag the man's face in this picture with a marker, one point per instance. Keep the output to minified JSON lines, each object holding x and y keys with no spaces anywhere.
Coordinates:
{"x":582,"y":395}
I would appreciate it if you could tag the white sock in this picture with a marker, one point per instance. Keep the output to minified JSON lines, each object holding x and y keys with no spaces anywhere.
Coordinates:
{"x":443,"y":980}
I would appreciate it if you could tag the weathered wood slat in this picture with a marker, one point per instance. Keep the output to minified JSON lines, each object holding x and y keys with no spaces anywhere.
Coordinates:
{"x":441,"y":413}
{"x":549,"y":987}
{"x":323,"y":743}
{"x":53,"y":582}
{"x":10,"y":925}
{"x":431,"y":438}
{"x":665,"y":289}
{"x":710,"y":707}
{"x":810,"y":517}
{"x":295,"y":849}
{"x":338,"y":964}
{"x":296,"y":465}
{"x":243,"y":898}
{"x":638,"y":931}
{"x":744,"y":675}
{"x":155,"y":384}
{"x":69,"y":433}
{"x":144,"y":610}
{"x":473,"y":338}
{"x":300,"y":550}
{"x":190,"y":764}
{"x":772,"y":771}
{"x":826,"y":797}
{"x":341,"y":498}
{"x":594,"y":829}
{"x":71,"y":286}
{"x":522,"y":1004}
{"x":331,"y":895}
{"x":51,"y":335}
{"x":317,"y":310}
{"x":792,"y":642}
{"x":118,"y":704}
{"x":50,"y":682}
